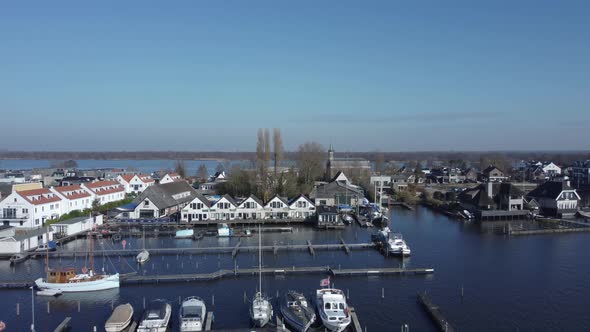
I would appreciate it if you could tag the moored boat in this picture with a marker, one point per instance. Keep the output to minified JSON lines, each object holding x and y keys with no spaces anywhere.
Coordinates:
{"x":333,"y":309}
{"x":143,"y":256}
{"x":192,"y":314}
{"x":17,"y":258}
{"x":261,"y":309}
{"x":184,"y":234}
{"x":156,"y":317}
{"x":223,"y":230}
{"x":120,"y":319}
{"x":297,"y":312}
{"x":49,"y":292}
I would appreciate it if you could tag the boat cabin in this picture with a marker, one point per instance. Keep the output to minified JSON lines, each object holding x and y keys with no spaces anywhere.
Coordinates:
{"x":61,"y":276}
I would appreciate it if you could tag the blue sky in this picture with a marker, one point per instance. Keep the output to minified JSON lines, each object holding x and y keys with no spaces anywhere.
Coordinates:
{"x":380,"y":75}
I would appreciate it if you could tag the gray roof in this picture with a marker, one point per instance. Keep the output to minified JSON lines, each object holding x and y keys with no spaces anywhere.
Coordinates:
{"x":328,"y":190}
{"x":72,"y":221}
{"x":254,"y":198}
{"x":161,"y":194}
{"x":31,"y":233}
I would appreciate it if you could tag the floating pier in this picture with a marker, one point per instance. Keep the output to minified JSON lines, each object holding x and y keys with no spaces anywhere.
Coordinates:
{"x":434,"y":312}
{"x":64,"y":325}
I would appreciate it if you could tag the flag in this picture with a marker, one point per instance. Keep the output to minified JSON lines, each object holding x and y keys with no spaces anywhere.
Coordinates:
{"x":325,"y":282}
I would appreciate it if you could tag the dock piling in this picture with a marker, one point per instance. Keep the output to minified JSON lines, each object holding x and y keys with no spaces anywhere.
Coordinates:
{"x":78,"y":305}
{"x":383,"y":292}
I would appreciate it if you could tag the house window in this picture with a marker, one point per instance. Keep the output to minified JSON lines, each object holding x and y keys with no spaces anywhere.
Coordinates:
{"x":146,"y":203}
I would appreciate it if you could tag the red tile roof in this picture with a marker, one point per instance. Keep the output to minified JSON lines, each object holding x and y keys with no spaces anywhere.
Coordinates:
{"x":73,"y":192}
{"x":127,"y":177}
{"x":39,"y":196}
{"x":102,"y":188}
{"x":99,"y":184}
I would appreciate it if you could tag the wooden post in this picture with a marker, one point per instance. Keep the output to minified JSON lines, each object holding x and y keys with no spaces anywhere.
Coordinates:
{"x":383,"y":292}
{"x":18,"y":309}
{"x":78,"y":305}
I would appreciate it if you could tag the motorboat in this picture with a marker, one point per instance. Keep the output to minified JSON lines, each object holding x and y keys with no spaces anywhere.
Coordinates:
{"x":394,"y":244}
{"x":185,"y":234}
{"x":156,"y":317}
{"x":192,"y":314}
{"x":120,"y":319}
{"x":46,"y":247}
{"x":333,"y":309}
{"x":17,"y":258}
{"x":223,"y":230}
{"x":143,"y":256}
{"x":297,"y":312}
{"x":347,"y":218}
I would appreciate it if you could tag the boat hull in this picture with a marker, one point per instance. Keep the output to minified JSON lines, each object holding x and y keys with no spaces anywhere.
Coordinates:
{"x":185,"y":234}
{"x":107,"y":282}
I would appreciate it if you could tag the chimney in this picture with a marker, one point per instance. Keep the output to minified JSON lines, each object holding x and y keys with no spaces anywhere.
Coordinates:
{"x":490,"y":191}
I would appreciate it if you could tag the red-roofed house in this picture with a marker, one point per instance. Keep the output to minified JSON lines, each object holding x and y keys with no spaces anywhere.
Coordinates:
{"x":135,"y":183}
{"x":30,"y":208}
{"x":105,"y":191}
{"x":73,"y":198}
{"x":171,"y":177}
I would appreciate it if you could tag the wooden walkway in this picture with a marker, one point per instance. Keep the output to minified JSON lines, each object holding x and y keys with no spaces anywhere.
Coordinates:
{"x":64,"y":325}
{"x":434,"y":312}
{"x":218,"y":250}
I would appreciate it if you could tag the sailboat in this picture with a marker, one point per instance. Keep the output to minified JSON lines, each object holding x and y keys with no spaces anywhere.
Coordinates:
{"x":261,"y":309}
{"x":66,"y":279}
{"x":144,"y":255}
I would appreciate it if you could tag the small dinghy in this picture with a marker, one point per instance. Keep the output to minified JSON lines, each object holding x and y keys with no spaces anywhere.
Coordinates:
{"x":17,"y":258}
{"x":184,"y":234}
{"x":49,"y":292}
{"x":121,"y":318}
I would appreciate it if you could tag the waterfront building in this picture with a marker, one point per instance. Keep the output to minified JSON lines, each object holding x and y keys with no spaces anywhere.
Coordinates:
{"x":382,"y":182}
{"x":73,"y":197}
{"x":30,"y":208}
{"x":196,"y":210}
{"x":13,"y":177}
{"x":162,"y":200}
{"x":556,"y":198}
{"x":492,"y":196}
{"x":224,"y":209}
{"x":106,"y":191}
{"x":580,"y":174}
{"x":75,"y":226}
{"x":301,"y":208}
{"x":327,"y":216}
{"x":337,"y":193}
{"x":251,"y":208}
{"x":170,"y":177}
{"x":277,"y":208}
{"x":18,"y":241}
{"x":135,"y":183}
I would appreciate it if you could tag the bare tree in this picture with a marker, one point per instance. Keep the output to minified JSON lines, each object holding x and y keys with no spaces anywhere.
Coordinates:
{"x":260,"y":161}
{"x":180,"y":168}
{"x":310,"y":161}
{"x":278,"y":148}
{"x":202,"y":173}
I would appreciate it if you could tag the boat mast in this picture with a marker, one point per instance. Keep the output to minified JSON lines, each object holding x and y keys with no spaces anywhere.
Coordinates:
{"x":91,"y":256}
{"x":259,"y":260}
{"x":47,"y":253}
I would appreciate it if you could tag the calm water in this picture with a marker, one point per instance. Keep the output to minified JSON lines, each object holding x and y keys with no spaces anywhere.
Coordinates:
{"x":510,"y":284}
{"x":145,"y":166}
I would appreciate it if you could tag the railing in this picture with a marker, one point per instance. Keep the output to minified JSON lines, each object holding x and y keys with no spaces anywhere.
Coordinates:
{"x":13,"y":217}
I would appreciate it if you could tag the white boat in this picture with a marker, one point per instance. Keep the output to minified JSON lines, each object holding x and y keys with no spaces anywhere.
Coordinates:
{"x":393,"y":243}
{"x":261,"y":308}
{"x":333,"y":309}
{"x":156,"y":317}
{"x":66,"y":280}
{"x":192,"y":314}
{"x":223,"y":230}
{"x":184,"y":234}
{"x":17,"y":258}
{"x":120,"y":319}
{"x":49,"y":292}
{"x":143,"y":256}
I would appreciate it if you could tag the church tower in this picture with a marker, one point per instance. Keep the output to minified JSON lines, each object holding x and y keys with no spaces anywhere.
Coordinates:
{"x":329,"y":174}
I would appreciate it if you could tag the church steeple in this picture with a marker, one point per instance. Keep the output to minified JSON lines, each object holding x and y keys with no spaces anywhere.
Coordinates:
{"x":329,"y":163}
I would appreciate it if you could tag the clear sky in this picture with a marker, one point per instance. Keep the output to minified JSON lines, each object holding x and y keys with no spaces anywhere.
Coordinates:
{"x":363,"y":75}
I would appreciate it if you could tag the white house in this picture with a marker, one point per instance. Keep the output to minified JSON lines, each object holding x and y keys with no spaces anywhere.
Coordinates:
{"x":73,"y":198}
{"x":171,"y":177}
{"x":105,"y":191}
{"x":196,"y":210}
{"x":30,"y":208}
{"x":550,"y":168}
{"x":135,"y":183}
{"x":556,"y":198}
{"x":76,"y":225}
{"x":161,"y":200}
{"x":224,"y":209}
{"x":22,"y":241}
{"x":301,"y":208}
{"x":277,"y":207}
{"x":251,"y":208}
{"x":382,"y":182}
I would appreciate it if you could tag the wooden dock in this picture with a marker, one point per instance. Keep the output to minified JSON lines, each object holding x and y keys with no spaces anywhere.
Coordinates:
{"x":434,"y":313}
{"x":64,"y":325}
{"x":276,"y":248}
{"x":402,"y":204}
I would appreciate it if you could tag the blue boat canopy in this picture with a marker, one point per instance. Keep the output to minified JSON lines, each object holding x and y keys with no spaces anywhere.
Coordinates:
{"x":127,"y":207}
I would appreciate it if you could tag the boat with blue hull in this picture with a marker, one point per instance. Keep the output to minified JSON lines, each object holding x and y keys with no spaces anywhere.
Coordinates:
{"x":296,"y":311}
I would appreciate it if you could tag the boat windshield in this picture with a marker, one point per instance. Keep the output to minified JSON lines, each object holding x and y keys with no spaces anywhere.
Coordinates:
{"x":191,"y":311}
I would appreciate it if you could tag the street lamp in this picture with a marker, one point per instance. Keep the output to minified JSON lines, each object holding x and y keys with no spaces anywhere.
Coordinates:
{"x":33,"y":308}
